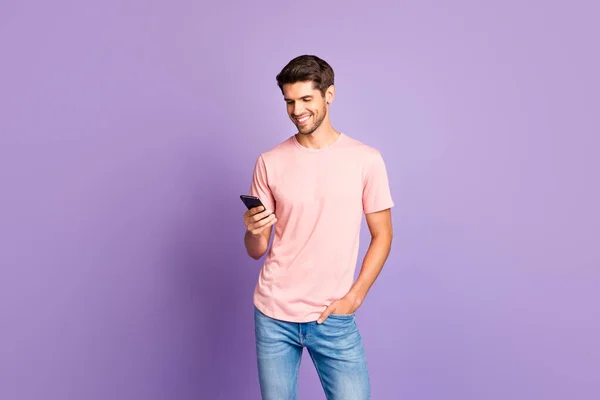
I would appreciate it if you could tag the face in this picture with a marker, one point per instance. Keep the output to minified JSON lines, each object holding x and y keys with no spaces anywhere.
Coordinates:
{"x":306,"y":106}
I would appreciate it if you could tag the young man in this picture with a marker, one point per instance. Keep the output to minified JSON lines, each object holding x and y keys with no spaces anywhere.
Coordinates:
{"x":315,"y":187}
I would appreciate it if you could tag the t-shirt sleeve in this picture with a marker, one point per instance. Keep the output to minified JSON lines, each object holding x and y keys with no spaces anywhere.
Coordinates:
{"x":260,"y":185}
{"x":376,"y":189}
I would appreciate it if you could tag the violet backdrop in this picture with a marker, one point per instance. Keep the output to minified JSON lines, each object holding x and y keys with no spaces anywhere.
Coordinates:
{"x":128,"y":129}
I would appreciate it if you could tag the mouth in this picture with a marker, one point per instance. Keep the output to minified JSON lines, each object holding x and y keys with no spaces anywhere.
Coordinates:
{"x":303,"y":119}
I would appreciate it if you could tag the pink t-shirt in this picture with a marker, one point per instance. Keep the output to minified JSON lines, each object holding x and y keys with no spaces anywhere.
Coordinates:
{"x":319,"y":197}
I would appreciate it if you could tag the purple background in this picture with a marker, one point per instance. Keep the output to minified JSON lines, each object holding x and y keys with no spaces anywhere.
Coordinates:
{"x":130,"y":128}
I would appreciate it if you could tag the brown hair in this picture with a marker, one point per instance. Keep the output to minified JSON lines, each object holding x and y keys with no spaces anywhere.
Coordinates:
{"x":307,"y":68}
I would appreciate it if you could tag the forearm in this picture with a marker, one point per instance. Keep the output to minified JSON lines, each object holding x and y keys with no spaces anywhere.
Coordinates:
{"x":256,"y":245}
{"x":377,"y":254}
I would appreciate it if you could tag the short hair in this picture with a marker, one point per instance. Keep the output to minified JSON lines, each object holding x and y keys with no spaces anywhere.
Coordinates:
{"x":307,"y":68}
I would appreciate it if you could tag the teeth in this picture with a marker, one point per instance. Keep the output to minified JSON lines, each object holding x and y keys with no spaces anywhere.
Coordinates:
{"x":302,"y":119}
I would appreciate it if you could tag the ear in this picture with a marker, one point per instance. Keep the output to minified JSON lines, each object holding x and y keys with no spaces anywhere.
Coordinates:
{"x":330,"y":94}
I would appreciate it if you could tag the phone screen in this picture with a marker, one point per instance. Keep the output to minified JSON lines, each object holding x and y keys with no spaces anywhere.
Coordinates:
{"x":251,"y":201}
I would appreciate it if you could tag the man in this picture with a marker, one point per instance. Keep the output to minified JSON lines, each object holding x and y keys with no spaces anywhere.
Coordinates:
{"x":315,"y":187}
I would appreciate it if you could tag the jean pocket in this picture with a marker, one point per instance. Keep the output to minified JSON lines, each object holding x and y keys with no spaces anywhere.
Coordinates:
{"x":341,"y":316}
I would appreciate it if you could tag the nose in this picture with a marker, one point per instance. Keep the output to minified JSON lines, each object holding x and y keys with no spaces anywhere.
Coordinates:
{"x":297,"y":109}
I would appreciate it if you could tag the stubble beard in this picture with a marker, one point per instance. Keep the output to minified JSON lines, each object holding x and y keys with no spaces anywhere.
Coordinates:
{"x":316,"y":125}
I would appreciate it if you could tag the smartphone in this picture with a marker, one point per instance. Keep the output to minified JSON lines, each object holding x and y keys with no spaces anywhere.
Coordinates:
{"x":252,"y":201}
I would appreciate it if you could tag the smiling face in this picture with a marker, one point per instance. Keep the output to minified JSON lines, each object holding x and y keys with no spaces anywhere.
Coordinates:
{"x":307,"y":106}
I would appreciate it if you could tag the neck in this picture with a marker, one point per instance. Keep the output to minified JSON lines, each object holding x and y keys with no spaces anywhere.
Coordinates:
{"x":323,"y":137}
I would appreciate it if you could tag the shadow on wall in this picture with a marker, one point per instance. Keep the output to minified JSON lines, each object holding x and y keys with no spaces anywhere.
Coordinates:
{"x":211,"y":284}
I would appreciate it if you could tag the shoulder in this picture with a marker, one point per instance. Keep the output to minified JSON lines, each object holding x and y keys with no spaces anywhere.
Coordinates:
{"x":278,"y":151}
{"x":269,"y":158}
{"x":361,"y":150}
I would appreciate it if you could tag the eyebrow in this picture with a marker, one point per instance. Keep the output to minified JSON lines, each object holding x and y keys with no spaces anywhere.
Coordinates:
{"x":301,"y":98}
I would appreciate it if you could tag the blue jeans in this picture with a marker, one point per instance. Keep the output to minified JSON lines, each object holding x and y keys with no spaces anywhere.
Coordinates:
{"x":335,"y":347}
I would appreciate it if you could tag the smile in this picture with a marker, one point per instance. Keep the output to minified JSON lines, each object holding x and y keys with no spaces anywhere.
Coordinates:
{"x":303,"y":119}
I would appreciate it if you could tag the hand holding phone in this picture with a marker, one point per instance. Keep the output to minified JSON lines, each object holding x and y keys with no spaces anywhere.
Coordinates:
{"x":257,"y":219}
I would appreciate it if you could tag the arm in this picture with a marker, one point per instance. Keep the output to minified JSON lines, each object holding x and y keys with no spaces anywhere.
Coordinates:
{"x":380,"y":226}
{"x":258,"y":230}
{"x":258,"y":233}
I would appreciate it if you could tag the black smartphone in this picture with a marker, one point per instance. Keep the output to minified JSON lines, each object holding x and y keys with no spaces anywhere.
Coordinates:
{"x":252,"y":201}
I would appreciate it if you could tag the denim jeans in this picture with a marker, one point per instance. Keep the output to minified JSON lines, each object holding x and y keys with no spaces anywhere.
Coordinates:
{"x":335,"y":347}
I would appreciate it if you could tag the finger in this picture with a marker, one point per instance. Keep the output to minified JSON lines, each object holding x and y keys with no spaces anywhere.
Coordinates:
{"x":256,"y":210}
{"x":267,"y":222}
{"x":261,"y":215}
{"x":259,"y":227}
{"x":252,"y":219}
{"x":262,"y":219}
{"x":328,"y":311}
{"x":250,"y":212}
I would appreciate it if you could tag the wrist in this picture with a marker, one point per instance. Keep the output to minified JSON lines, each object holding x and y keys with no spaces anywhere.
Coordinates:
{"x":252,"y":235}
{"x":355,"y":297}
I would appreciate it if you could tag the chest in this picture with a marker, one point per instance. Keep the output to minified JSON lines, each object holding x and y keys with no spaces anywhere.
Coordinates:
{"x":330,"y":183}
